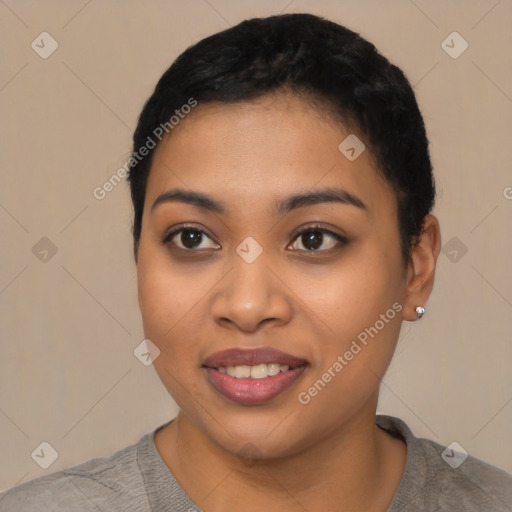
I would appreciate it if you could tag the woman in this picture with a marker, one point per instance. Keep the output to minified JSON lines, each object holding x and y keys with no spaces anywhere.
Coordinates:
{"x":282,"y":190}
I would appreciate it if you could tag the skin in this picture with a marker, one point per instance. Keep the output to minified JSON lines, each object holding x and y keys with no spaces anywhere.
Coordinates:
{"x":312,"y":304}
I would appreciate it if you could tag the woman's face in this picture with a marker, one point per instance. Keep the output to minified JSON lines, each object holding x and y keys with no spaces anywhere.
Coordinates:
{"x":240,"y":276}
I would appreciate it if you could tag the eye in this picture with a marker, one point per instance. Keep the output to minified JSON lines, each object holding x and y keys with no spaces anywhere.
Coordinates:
{"x":190,"y":238}
{"x":318,"y":239}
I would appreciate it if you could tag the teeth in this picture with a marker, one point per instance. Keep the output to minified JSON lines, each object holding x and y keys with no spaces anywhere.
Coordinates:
{"x":242,"y":372}
{"x":259,"y":371}
{"x":274,"y":368}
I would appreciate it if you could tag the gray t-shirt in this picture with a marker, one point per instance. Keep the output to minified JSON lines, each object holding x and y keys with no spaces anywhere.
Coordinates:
{"x":136,"y":479}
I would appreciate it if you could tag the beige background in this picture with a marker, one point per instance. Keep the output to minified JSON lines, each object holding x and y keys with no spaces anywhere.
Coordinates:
{"x":68,"y":375}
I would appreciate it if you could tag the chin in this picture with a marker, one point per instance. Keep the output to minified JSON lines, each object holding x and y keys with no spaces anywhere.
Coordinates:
{"x":259,"y":435}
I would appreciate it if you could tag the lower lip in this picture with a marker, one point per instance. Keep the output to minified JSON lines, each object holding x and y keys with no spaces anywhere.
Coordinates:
{"x":253,"y":391}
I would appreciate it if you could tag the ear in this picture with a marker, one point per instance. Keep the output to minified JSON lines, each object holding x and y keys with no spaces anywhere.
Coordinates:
{"x":421,"y":268}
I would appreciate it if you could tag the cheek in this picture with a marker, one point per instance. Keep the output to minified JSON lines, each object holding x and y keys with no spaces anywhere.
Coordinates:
{"x":353,"y":296}
{"x":157,"y":304}
{"x":351,"y":362}
{"x":164,"y":292}
{"x":168,"y":321}
{"x":162,"y":306}
{"x":174,"y":305}
{"x":361,"y":304}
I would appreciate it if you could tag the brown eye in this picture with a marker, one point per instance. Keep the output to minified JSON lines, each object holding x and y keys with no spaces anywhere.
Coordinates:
{"x":190,"y":239}
{"x":312,"y":239}
{"x":317,"y":240}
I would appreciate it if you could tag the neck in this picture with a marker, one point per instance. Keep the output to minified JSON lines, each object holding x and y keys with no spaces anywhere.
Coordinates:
{"x":357,"y":467}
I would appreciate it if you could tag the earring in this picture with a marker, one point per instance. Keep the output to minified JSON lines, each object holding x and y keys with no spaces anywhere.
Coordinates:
{"x":420,"y":311}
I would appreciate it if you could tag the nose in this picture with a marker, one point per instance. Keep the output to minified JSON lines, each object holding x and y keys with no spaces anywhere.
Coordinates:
{"x":251,"y":295}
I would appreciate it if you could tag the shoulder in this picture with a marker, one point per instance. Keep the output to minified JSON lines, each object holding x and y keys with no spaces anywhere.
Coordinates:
{"x":446,"y":478}
{"x":103,"y":483}
{"x":463,"y":482}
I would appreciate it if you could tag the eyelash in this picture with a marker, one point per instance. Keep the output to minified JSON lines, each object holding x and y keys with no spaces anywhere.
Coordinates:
{"x":342,"y":241}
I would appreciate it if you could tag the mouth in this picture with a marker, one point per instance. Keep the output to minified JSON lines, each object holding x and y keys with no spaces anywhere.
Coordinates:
{"x":258,"y":371}
{"x":253,"y":376}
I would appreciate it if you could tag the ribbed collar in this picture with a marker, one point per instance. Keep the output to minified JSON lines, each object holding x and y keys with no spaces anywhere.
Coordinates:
{"x":166,"y":494}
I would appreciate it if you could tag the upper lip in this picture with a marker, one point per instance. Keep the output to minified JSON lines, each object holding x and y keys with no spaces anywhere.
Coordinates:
{"x":251,"y":357}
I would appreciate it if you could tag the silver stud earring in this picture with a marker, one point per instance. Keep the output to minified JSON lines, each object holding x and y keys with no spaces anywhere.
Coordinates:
{"x":420,"y":311}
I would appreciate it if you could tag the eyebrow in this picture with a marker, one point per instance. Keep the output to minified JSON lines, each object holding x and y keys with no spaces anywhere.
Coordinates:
{"x":326,"y":195}
{"x":299,"y":200}
{"x":194,"y":198}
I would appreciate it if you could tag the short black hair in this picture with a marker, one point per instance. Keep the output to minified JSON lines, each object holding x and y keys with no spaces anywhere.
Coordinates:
{"x":312,"y":57}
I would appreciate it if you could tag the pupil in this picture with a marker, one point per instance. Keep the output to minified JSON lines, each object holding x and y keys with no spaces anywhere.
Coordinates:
{"x":312,"y":240}
{"x":190,"y":238}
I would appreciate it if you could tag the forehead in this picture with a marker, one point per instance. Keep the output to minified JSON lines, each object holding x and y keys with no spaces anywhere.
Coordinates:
{"x":266,"y":148}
